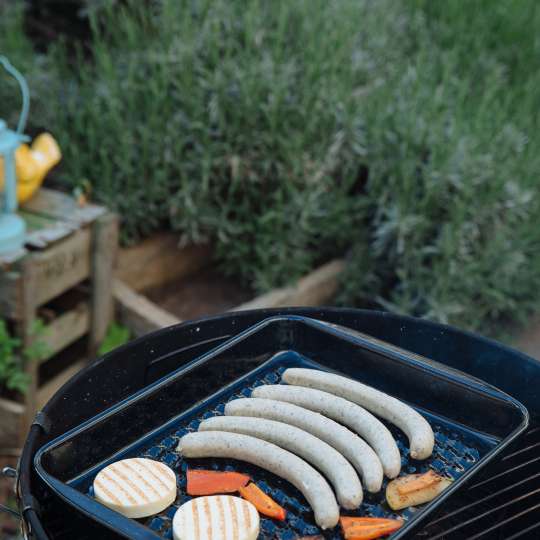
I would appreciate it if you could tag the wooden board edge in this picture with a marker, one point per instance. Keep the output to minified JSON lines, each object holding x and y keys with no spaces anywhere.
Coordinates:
{"x":11,"y":417}
{"x":61,"y":266}
{"x":104,"y":252}
{"x":159,"y":260}
{"x":137,"y":312}
{"x":314,"y":289}
{"x":66,"y":329}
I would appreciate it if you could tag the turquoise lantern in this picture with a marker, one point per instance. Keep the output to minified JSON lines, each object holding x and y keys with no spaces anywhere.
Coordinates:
{"x":12,"y":226}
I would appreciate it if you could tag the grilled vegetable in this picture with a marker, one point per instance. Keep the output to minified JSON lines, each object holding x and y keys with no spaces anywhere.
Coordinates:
{"x":201,"y":482}
{"x":367,"y":528}
{"x":262,"y":502}
{"x":415,"y":489}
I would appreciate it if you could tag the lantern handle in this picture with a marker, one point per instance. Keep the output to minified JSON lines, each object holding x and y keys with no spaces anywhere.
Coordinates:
{"x":24,"y":91}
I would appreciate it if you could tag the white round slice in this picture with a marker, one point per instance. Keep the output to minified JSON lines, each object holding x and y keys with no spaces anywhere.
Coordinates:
{"x":136,"y":487}
{"x":219,"y":517}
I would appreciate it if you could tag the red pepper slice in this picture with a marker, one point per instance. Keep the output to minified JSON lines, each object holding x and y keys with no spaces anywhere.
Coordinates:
{"x":201,"y":482}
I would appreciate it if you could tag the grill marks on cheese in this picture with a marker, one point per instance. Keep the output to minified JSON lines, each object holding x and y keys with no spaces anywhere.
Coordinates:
{"x":129,"y":480}
{"x":134,"y":471}
{"x":196,"y":524}
{"x":221,"y":514}
{"x":247,"y":517}
{"x":234,"y":520}
{"x":220,"y":517}
{"x":136,"y":487}
{"x":208,"y":512}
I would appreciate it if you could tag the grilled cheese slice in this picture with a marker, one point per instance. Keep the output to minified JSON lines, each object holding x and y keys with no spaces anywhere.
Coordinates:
{"x":219,"y":517}
{"x":136,"y":487}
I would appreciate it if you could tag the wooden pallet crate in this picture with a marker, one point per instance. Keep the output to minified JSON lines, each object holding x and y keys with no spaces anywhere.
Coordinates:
{"x":64,"y":276}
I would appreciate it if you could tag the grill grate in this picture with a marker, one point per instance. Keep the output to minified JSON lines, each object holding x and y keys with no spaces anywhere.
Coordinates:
{"x":456,"y":450}
{"x":502,"y":503}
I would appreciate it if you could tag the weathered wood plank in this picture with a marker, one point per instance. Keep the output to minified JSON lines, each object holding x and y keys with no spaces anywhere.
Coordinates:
{"x":61,"y":266}
{"x":29,"y":304}
{"x":44,"y":230}
{"x":35,"y":221}
{"x":138,"y":313}
{"x":314,"y":289}
{"x":10,"y":294}
{"x":11,"y":414}
{"x":59,"y":205}
{"x":104,"y":248}
{"x":143,"y":316}
{"x":66,"y":329}
{"x":159,"y":260}
{"x":12,"y":257}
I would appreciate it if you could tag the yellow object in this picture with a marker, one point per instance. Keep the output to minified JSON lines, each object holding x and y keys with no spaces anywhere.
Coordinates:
{"x":32,"y":163}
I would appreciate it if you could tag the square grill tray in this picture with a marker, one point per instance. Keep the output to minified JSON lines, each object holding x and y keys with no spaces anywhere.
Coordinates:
{"x":472,"y":422}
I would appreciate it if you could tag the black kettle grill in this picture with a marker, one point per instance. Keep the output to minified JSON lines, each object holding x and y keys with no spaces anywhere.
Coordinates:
{"x":501,"y":502}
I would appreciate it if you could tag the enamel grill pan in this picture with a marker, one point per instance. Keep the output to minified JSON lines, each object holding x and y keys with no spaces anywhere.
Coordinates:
{"x":472,"y":422}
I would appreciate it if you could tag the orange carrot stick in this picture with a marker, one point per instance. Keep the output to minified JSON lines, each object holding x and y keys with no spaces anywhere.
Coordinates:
{"x":417,"y":482}
{"x":201,"y":482}
{"x":365,"y":528}
{"x":262,"y":502}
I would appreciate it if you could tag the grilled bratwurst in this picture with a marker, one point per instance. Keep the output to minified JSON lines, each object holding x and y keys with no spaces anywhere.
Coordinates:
{"x":321,"y":455}
{"x":345,"y":412}
{"x":272,"y":458}
{"x":352,"y":447}
{"x":415,"y":426}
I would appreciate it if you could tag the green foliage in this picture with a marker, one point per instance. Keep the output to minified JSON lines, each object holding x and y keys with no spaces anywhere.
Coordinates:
{"x":116,"y":335}
{"x":289,"y":132}
{"x":12,"y":359}
{"x":36,"y":68}
{"x":454,"y":159}
{"x":225,"y":122}
{"x":11,"y":372}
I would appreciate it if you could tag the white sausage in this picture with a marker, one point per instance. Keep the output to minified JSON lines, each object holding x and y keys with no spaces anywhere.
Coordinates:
{"x":272,"y":458}
{"x":358,"y":452}
{"x":345,"y":412}
{"x":321,"y":455}
{"x":415,"y":426}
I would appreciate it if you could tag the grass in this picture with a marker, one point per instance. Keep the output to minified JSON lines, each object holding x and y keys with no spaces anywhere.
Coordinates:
{"x":401,"y":133}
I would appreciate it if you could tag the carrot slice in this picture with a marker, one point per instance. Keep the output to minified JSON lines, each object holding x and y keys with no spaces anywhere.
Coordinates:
{"x":262,"y":502}
{"x":365,"y":528}
{"x":353,"y":521}
{"x":201,"y":482}
{"x":417,"y":482}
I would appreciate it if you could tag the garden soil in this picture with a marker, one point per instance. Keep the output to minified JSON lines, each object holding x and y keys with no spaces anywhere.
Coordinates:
{"x":206,"y":293}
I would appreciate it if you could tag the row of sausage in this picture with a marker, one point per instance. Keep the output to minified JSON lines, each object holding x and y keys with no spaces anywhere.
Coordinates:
{"x":317,"y":423}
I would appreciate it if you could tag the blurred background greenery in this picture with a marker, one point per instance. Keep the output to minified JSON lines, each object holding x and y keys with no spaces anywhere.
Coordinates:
{"x":402,"y":134}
